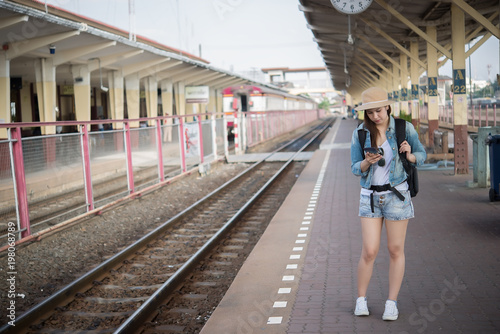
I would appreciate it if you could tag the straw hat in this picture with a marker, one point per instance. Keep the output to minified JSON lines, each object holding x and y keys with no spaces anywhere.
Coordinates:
{"x":374,"y":97}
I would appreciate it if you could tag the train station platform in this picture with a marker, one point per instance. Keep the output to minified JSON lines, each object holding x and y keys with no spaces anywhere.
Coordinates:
{"x":301,"y":276}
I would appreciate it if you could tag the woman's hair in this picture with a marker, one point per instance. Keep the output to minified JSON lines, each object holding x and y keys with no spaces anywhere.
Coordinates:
{"x":371,"y":126}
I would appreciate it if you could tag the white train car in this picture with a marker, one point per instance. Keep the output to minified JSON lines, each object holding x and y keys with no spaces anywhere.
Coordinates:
{"x":254,"y":98}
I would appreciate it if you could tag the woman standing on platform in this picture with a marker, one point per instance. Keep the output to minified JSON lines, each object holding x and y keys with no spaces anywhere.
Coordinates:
{"x":384,"y":193}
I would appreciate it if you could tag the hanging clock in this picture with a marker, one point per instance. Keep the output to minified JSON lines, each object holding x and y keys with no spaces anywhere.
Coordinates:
{"x":351,"y":6}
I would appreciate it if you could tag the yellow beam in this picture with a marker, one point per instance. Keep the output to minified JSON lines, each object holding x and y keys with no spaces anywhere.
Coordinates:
{"x":466,"y":8}
{"x":369,"y":56}
{"x":392,"y":61}
{"x":394,"y":42}
{"x":413,"y":27}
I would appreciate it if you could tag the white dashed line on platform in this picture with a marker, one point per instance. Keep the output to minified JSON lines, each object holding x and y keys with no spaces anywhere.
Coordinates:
{"x":274,"y":320}
{"x":284,"y":290}
{"x":279,"y":304}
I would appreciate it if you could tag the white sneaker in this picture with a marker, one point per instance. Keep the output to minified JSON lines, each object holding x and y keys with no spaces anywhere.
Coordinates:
{"x":361,"y":307}
{"x":391,"y":310}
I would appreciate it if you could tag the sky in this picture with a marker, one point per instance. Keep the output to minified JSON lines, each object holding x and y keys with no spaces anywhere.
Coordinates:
{"x":238,"y":35}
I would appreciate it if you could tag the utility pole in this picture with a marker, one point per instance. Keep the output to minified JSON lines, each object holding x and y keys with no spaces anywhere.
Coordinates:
{"x":132,"y":27}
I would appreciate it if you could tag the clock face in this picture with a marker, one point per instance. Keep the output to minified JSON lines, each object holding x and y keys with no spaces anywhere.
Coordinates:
{"x":351,"y":6}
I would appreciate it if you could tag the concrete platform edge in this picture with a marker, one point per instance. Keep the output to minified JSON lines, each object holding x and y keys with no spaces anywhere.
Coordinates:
{"x":253,"y":302}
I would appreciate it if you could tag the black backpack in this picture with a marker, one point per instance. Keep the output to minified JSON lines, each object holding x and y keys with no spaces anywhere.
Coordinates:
{"x":411,"y":170}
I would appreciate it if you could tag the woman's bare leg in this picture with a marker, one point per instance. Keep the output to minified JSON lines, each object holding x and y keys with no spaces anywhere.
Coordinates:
{"x":371,"y":229}
{"x":396,"y":235}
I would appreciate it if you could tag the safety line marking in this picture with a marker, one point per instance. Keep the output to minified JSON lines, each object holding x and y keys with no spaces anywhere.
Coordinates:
{"x":306,"y":221}
{"x":274,"y":320}
{"x":284,"y":290}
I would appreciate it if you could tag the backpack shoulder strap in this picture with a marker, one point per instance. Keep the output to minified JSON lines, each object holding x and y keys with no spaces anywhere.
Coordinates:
{"x":401,"y":137}
{"x":400,"y":130}
{"x":362,"y":140}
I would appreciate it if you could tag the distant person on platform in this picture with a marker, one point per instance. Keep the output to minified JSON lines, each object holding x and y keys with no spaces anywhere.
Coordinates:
{"x":384,"y":194}
{"x":167,"y":129}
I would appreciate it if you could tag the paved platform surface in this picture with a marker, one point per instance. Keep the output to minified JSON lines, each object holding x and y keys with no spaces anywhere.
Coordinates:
{"x":269,"y":157}
{"x":301,"y":276}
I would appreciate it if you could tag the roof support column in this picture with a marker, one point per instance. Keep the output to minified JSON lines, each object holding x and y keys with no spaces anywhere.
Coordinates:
{"x":82,"y":92}
{"x":167,"y":107}
{"x":403,"y":61}
{"x":395,"y":90}
{"x":152,"y":98}
{"x":132,"y":91}
{"x":4,"y":93}
{"x":432,"y":91}
{"x":211,"y":100}
{"x":459,"y":90}
{"x":414,"y":77}
{"x":218,"y":101}
{"x":45,"y":73}
{"x":166,"y":97}
{"x":179,"y":98}
{"x":116,"y":101}
{"x":388,"y":82}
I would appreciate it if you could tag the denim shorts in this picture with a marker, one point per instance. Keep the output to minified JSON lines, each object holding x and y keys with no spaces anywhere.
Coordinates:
{"x":387,"y":205}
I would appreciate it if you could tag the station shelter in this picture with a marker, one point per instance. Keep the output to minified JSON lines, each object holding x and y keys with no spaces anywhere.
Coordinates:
{"x":391,"y":44}
{"x":59,"y":66}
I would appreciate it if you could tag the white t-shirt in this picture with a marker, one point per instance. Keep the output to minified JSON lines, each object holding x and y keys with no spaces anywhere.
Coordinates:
{"x":381,"y":173}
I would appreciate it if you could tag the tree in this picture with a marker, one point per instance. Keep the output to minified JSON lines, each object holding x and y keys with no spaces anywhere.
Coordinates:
{"x":325,"y":104}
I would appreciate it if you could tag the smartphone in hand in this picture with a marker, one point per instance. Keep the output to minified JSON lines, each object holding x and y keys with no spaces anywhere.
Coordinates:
{"x":371,"y":150}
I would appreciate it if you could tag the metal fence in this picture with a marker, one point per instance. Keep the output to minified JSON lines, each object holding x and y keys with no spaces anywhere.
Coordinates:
{"x":258,"y":127}
{"x":47,"y":179}
{"x":477,"y":116}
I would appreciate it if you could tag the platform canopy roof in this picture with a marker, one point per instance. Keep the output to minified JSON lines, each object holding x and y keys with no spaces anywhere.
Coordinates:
{"x":30,"y":30}
{"x":381,"y":33}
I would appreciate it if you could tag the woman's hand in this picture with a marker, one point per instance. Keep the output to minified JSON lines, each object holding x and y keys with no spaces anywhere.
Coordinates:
{"x":405,"y":147}
{"x":372,"y":158}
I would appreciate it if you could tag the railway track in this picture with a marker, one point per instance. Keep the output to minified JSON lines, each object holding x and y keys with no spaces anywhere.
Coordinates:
{"x":57,"y":209}
{"x":193,"y":302}
{"x":126,"y":291}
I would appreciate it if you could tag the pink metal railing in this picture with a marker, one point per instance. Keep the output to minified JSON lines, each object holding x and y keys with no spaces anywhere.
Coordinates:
{"x":477,"y":117}
{"x":262,"y":126}
{"x":57,"y":169}
{"x":77,"y":161}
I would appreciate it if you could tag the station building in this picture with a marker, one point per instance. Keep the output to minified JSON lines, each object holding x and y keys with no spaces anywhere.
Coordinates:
{"x":59,"y":66}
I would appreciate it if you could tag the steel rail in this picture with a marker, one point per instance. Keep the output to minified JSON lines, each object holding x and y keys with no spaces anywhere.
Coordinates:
{"x":85,"y":281}
{"x":147,"y":309}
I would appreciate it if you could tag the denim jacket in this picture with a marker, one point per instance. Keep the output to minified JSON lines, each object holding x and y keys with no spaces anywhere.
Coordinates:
{"x":397,"y":173}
